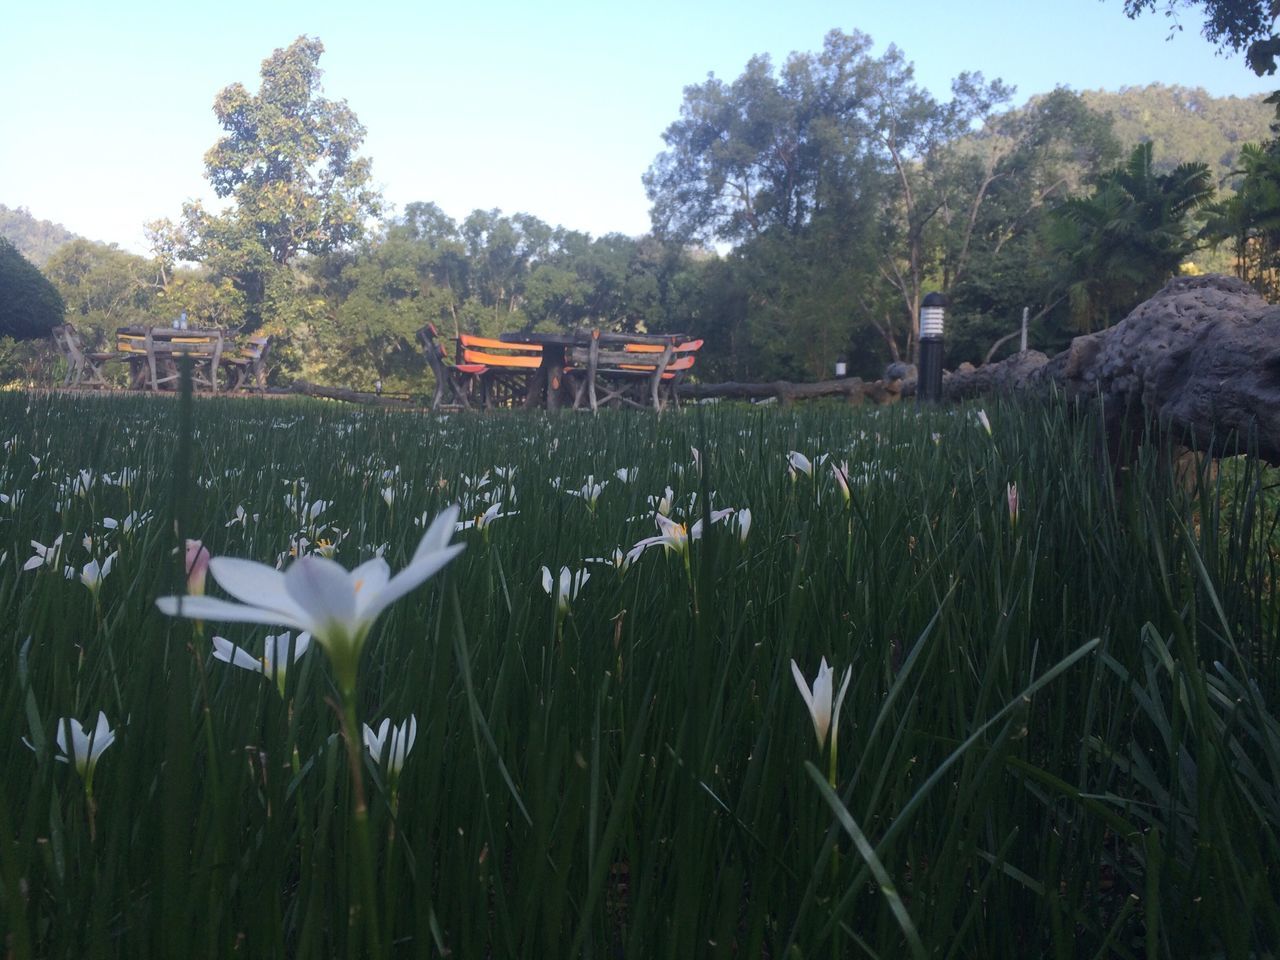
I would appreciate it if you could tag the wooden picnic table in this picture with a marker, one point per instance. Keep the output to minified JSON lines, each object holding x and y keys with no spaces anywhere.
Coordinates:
{"x":547,"y":383}
{"x":164,"y":345}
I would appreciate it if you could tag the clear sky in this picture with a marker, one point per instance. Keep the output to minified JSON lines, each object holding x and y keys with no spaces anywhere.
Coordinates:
{"x":551,"y":108}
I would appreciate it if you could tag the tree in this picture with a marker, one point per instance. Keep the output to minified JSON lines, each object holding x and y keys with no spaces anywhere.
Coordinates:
{"x":1249,"y":219}
{"x":30,"y":306}
{"x":843,"y":143}
{"x":1045,"y":151}
{"x":1247,"y":25}
{"x":1120,"y":243}
{"x":767,"y":151}
{"x":289,"y":163}
{"x":289,"y":158}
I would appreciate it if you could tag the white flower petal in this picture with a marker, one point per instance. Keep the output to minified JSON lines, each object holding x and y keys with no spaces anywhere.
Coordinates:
{"x":212,"y":608}
{"x":417,"y":573}
{"x":253,"y":583}
{"x":437,"y":536}
{"x":325,"y":590}
{"x":228,"y":652}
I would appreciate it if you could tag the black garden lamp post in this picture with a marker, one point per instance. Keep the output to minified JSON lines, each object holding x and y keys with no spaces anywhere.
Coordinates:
{"x":933,"y":309}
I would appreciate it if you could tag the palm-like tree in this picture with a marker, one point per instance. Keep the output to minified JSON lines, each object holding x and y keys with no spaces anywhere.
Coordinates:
{"x":1250,"y":218}
{"x":1120,"y":243}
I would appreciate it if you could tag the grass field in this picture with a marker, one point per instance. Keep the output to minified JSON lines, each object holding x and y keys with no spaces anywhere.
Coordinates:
{"x":1059,"y":737}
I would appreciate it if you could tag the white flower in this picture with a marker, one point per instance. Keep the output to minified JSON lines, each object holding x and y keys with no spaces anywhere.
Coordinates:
{"x":337,"y":607}
{"x":389,"y":495}
{"x":627,"y":474}
{"x":743,"y":522}
{"x":663,"y":503}
{"x":590,"y":491}
{"x":798,"y":461}
{"x":276,"y":655}
{"x":567,"y":588}
{"x":618,"y":560}
{"x":390,"y":751}
{"x":44,"y":556}
{"x":85,"y":748}
{"x":673,"y":536}
{"x":134,"y":519}
{"x":483,"y":520}
{"x":841,"y":473}
{"x":92,"y":574}
{"x":982,"y":419}
{"x":241,"y":517}
{"x":819,"y":700}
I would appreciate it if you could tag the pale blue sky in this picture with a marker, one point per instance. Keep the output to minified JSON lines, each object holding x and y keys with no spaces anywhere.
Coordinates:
{"x":554,"y":109}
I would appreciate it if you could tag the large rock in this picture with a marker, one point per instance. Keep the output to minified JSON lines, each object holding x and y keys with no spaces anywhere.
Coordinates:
{"x":1201,"y":358}
{"x":1013,"y":373}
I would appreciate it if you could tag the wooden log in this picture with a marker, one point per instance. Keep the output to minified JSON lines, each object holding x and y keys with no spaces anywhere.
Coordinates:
{"x":853,"y":389}
{"x":349,"y":396}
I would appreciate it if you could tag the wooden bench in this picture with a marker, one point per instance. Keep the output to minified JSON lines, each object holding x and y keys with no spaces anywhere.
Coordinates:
{"x":131,"y":346}
{"x":248,"y":365}
{"x":84,"y":367}
{"x":510,"y":366}
{"x":642,"y":372}
{"x":462,"y":381}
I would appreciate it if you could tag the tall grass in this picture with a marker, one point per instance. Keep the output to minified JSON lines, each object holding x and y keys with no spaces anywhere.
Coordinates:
{"x":1060,"y":739}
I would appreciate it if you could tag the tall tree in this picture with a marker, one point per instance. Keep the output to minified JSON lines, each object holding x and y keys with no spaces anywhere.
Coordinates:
{"x":842,"y":135}
{"x":289,"y":163}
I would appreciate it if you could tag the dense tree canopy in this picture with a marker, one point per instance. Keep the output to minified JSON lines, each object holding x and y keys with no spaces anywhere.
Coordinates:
{"x":1120,"y":243}
{"x":29,"y":304}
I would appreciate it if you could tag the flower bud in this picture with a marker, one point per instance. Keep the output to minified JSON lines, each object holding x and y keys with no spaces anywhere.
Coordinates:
{"x":197,"y":566}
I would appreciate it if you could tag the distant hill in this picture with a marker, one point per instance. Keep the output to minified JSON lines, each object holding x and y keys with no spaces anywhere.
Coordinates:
{"x":34,"y":239}
{"x":1185,"y":123}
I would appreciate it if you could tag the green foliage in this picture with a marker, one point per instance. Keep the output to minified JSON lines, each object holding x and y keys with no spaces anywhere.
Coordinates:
{"x":30,"y":305}
{"x":1120,"y":243}
{"x":1185,"y":124}
{"x":1249,"y":219}
{"x":849,"y":190}
{"x":1237,"y":25}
